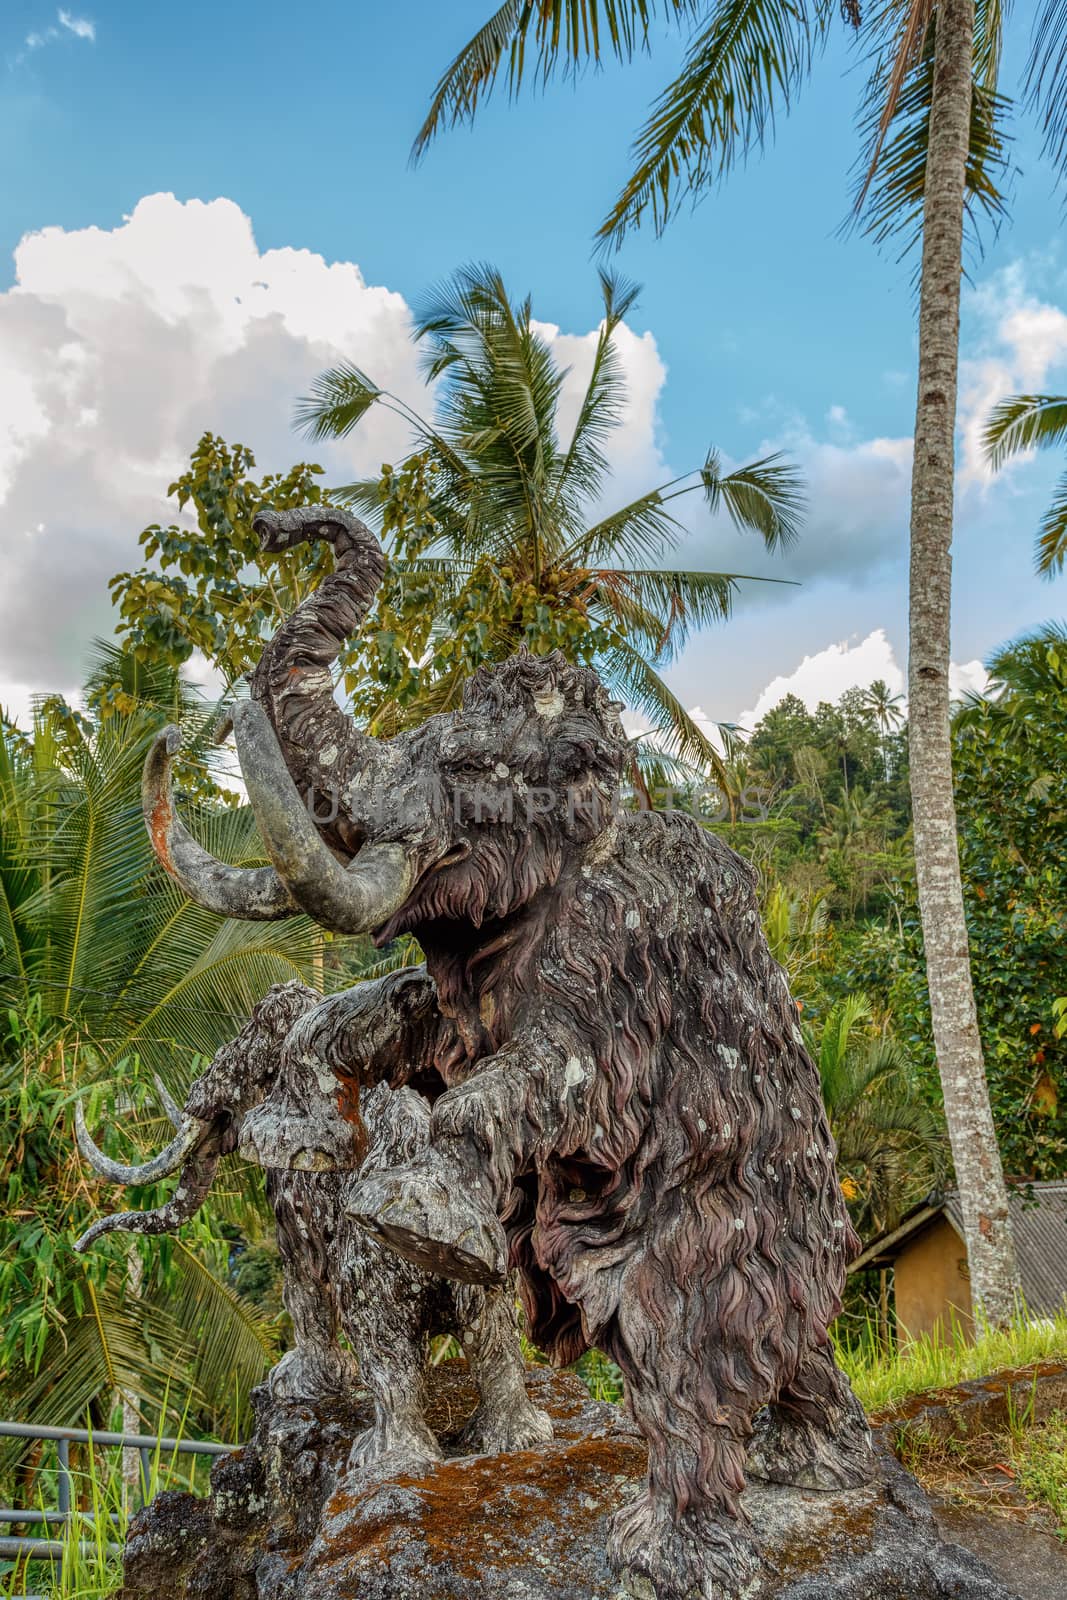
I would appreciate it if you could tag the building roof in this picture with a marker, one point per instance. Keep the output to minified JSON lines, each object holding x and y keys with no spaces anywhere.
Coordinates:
{"x":1039,"y":1223}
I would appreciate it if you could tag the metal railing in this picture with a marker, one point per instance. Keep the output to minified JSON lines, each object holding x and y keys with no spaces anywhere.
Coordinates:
{"x":52,"y":1549}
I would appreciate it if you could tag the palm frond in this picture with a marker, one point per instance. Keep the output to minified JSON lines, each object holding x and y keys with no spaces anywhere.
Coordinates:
{"x":1052,"y":536}
{"x":895,"y":125}
{"x":235,"y":1345}
{"x":1046,"y":78}
{"x":1034,"y":422}
{"x":765,"y":497}
{"x":340,"y":398}
{"x":1024,"y":422}
{"x":563,"y":34}
{"x":742,"y":68}
{"x":661,"y":607}
{"x":585,"y":465}
{"x":628,"y":671}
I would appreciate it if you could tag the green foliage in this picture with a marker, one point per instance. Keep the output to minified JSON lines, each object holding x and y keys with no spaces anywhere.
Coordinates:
{"x":1011,"y":799}
{"x":1039,"y":1456}
{"x":1034,"y":422}
{"x":108,"y":974}
{"x":840,"y":813}
{"x":883,"y":1378}
{"x":891,"y":1148}
{"x":209,"y":588}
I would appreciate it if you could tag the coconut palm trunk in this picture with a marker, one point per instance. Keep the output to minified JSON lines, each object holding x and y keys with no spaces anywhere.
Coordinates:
{"x":983,"y":1194}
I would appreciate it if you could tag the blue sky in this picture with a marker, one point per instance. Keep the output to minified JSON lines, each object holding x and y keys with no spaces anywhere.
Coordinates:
{"x":772,"y":328}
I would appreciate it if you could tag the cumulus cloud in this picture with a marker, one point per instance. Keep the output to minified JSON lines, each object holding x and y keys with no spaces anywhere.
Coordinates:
{"x":1020,"y":344}
{"x":852,"y":664}
{"x":120,"y":347}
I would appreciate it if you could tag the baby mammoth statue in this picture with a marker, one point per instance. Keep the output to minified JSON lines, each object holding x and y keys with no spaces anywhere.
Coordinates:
{"x":334,"y":1275}
{"x":620,"y":1107}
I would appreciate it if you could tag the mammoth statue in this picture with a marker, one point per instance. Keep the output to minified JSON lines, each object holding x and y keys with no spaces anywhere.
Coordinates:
{"x":622,"y":1111}
{"x":335,"y":1275}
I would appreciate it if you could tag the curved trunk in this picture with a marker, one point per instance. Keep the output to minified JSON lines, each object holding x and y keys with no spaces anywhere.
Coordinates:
{"x":983,"y":1195}
{"x":293,"y":680}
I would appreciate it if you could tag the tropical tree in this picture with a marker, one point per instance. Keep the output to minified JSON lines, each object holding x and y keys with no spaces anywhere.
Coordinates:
{"x":495,"y":526}
{"x":1034,"y":422}
{"x":890,"y":1144}
{"x":933,"y":122}
{"x":887,"y":713}
{"x":1011,"y":798}
{"x":108,"y":978}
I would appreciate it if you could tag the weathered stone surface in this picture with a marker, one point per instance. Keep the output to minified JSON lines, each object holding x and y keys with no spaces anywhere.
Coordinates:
{"x":286,"y":1520}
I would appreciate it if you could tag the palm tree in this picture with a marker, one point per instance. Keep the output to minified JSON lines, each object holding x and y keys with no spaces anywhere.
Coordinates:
{"x":890,"y":1144}
{"x":887,"y":713}
{"x":934,"y":121}
{"x":513,"y":498}
{"x":1034,"y":422}
{"x":108,"y":975}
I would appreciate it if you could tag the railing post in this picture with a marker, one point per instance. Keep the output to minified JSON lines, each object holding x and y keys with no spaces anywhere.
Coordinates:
{"x":146,"y":1475}
{"x":63,"y":1491}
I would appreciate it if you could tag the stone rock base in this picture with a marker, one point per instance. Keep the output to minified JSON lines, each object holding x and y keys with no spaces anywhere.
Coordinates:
{"x":285,"y":1522}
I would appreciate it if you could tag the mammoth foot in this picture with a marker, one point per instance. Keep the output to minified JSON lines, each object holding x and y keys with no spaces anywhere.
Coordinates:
{"x":789,"y":1449}
{"x":427,"y":1213}
{"x":404,"y":1445}
{"x":309,"y":1375}
{"x":495,"y":1430}
{"x":701,"y":1555}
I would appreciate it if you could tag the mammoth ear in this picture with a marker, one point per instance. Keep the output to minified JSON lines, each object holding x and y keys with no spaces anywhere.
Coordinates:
{"x":582,"y":751}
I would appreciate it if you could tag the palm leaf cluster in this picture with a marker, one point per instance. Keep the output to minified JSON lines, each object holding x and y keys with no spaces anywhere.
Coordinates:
{"x":513,"y":499}
{"x":890,"y":1144}
{"x":1035,"y":422}
{"x":109,"y":975}
{"x":744,"y":64}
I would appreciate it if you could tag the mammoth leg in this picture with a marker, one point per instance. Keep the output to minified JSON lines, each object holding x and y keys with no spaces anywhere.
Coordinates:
{"x":815,"y":1435}
{"x":306,"y":1210}
{"x":685,"y":1535}
{"x":381,"y":1299}
{"x":442,"y":1210}
{"x":388,"y":1306}
{"x":506,"y":1418}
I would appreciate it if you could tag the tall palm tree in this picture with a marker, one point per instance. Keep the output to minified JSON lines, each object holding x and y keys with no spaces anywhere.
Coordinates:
{"x":887,"y":713}
{"x":1035,"y":422}
{"x":508,"y":489}
{"x":934,"y":118}
{"x":108,"y":974}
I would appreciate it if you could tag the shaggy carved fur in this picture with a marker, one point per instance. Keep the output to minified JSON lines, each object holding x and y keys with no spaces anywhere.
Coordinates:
{"x":623,"y":1108}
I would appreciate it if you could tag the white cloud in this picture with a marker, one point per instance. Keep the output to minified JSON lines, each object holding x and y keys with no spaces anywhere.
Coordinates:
{"x":634,"y":458}
{"x":827,"y":674}
{"x":853,"y":665}
{"x":1021,"y":343}
{"x":80,"y":27}
{"x":120,"y":347}
{"x":77,"y":27}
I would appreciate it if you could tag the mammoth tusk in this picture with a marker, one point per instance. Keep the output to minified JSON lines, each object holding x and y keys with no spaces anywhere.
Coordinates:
{"x":169,"y":1104}
{"x":350,"y":899}
{"x":253,"y":894}
{"x":191,"y":1133}
{"x":198,"y":1174}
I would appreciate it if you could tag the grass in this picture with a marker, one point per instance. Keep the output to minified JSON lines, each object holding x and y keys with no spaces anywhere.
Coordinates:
{"x":1033,"y":1457}
{"x":90,"y":1569}
{"x":882,"y":1379}
{"x":1039,"y":1456}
